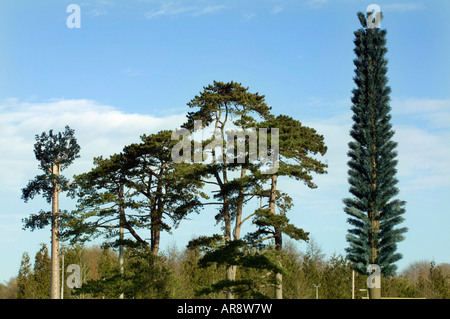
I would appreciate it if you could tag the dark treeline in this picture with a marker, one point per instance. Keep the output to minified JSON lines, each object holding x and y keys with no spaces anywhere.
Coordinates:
{"x":177,"y":273}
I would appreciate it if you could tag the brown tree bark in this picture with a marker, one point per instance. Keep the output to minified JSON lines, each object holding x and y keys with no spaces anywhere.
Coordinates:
{"x":278,"y":236}
{"x":54,"y":270}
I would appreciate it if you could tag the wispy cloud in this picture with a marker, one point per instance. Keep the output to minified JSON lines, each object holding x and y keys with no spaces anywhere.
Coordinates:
{"x":133,"y":72}
{"x":180,"y":8}
{"x":277,"y":9}
{"x":436,"y":112}
{"x":398,"y":6}
{"x":249,"y":16}
{"x":207,"y":10}
{"x":423,"y":139}
{"x":97,"y":12}
{"x":100,"y":130}
{"x":317,"y":3}
{"x":402,"y":7}
{"x":423,"y":158}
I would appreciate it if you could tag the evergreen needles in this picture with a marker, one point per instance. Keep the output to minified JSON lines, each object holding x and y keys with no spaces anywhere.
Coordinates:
{"x":373,"y":210}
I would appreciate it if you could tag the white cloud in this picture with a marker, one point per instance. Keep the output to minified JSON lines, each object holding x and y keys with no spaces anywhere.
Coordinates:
{"x":207,"y":10}
{"x":402,"y":7}
{"x":175,"y":8}
{"x":423,"y":158}
{"x":97,"y":12}
{"x":317,"y":3}
{"x":398,"y":6}
{"x":336,"y":138}
{"x":248,"y":16}
{"x":435,"y":111}
{"x":100,"y":130}
{"x":423,"y":139}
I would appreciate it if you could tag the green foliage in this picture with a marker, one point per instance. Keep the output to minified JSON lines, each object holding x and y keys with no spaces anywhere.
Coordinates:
{"x":169,"y":189}
{"x":193,"y":278}
{"x":231,"y":98}
{"x":298,"y":146}
{"x":186,"y":275}
{"x":140,"y":188}
{"x":439,"y":282}
{"x":255,"y":268}
{"x":145,"y":276}
{"x":108,"y":262}
{"x":55,"y":152}
{"x":42,"y":273}
{"x":222,"y":104}
{"x":268,"y":224}
{"x":373,"y":210}
{"x":9,"y":289}
{"x":25,"y":280}
{"x":33,"y":281}
{"x":101,"y":195}
{"x":336,"y":276}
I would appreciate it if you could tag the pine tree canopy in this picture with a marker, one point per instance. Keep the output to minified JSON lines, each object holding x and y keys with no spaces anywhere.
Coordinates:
{"x":55,"y":152}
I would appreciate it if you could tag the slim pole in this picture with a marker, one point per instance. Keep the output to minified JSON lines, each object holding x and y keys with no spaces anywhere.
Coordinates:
{"x":121,"y":233}
{"x":62,"y":277}
{"x":317,"y":290}
{"x":353,"y":284}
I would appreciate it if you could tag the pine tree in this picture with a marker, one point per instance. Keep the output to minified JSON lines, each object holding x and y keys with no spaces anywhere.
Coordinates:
{"x":55,"y":152}
{"x":107,"y":262}
{"x":297,"y":145}
{"x":374,"y":212}
{"x":223,"y":106}
{"x":168,"y":191}
{"x":25,"y":280}
{"x":42,"y":272}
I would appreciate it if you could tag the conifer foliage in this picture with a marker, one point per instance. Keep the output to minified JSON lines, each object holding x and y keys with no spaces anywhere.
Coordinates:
{"x":55,"y":152}
{"x":373,"y":210}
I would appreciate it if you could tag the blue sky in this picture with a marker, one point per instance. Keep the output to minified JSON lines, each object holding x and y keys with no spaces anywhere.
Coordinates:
{"x":133,"y":65}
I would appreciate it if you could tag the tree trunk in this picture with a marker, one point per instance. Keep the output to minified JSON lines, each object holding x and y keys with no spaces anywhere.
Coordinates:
{"x":231,"y":270}
{"x":121,"y":259}
{"x":121,"y":232}
{"x":155,"y":235}
{"x":231,"y":276}
{"x":279,"y":286}
{"x":375,"y":293}
{"x":240,"y":203}
{"x":54,"y":272}
{"x":278,"y":237}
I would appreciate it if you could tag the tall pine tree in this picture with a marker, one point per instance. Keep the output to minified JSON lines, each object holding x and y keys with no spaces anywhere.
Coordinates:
{"x":373,"y":210}
{"x":55,"y":152}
